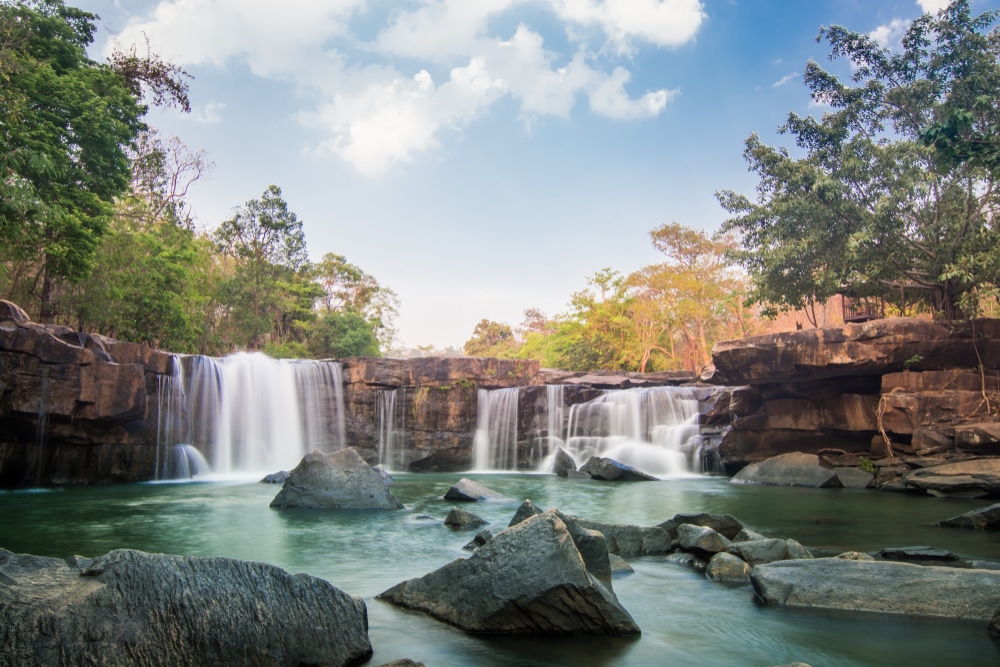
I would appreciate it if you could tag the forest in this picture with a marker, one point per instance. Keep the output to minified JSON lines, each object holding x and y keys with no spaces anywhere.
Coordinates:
{"x":888,"y":198}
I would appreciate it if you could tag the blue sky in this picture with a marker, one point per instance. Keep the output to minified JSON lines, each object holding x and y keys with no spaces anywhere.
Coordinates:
{"x":485,"y":156}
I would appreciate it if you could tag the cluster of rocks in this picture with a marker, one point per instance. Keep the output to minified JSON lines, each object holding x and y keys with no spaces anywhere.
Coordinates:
{"x":596,"y":467}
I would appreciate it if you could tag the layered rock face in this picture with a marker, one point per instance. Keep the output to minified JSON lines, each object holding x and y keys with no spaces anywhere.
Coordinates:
{"x":75,"y":407}
{"x":933,"y":390}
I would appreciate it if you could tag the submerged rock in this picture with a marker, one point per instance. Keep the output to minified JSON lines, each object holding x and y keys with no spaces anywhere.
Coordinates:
{"x":792,"y":469}
{"x":466,"y":490}
{"x":728,"y":568}
{"x":341,"y":480}
{"x":984,"y":518}
{"x":879,"y":586}
{"x":534,"y":578}
{"x":609,"y":470}
{"x":133,"y":608}
{"x":917,"y":553}
{"x":459,"y":518}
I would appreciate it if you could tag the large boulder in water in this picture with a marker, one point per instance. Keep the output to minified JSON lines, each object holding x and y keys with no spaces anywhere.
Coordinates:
{"x":792,"y":469}
{"x":341,"y":480}
{"x":133,"y":608}
{"x":469,"y":491}
{"x":609,"y":470}
{"x":984,"y":518}
{"x":879,"y":586}
{"x":537,"y":577}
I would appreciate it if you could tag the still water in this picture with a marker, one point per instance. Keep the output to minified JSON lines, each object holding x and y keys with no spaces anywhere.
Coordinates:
{"x":686,"y":620}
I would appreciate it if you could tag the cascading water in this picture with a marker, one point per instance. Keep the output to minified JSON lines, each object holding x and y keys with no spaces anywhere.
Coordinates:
{"x":248,"y":413}
{"x":495,"y":445}
{"x":391,"y":410}
{"x":653,"y":429}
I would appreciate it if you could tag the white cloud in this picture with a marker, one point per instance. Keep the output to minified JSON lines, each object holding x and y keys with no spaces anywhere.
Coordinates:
{"x":785,"y":79}
{"x":375,"y":103}
{"x":889,"y":35}
{"x":932,"y":6}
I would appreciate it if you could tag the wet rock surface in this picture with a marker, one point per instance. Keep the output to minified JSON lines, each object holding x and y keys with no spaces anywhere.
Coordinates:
{"x":609,"y":470}
{"x":134,"y":608}
{"x":341,"y":480}
{"x":468,"y":491}
{"x":984,"y":518}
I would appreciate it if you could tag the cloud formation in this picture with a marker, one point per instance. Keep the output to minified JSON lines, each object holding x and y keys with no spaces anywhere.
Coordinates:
{"x":384,"y":98}
{"x":933,"y":6}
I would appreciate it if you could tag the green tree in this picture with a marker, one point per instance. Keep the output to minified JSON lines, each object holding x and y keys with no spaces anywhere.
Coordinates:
{"x":66,"y":123}
{"x":339,"y":334}
{"x":348,"y":288}
{"x":869,"y":210}
{"x":490,"y":339}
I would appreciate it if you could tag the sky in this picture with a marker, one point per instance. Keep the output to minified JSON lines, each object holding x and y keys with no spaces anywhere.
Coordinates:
{"x":481,"y":157}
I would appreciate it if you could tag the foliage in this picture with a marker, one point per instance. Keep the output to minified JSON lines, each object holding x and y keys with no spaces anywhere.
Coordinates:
{"x":490,"y":339}
{"x":346,"y":287}
{"x":869,"y":211}
{"x":339,"y":334}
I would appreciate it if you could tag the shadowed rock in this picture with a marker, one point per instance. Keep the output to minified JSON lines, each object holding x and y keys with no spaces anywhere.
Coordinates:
{"x":524,"y":510}
{"x":724,"y":524}
{"x":879,"y":586}
{"x":917,"y":553}
{"x":984,"y":518}
{"x":728,"y":568}
{"x":341,"y":480}
{"x":465,"y":490}
{"x":609,"y":470}
{"x":702,"y":541}
{"x":563,"y":462}
{"x":133,"y":608}
{"x":978,"y":478}
{"x":459,"y":518}
{"x":532,"y":578}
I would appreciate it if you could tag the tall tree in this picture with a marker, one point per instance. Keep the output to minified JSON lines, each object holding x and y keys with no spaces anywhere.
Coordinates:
{"x":869,"y":211}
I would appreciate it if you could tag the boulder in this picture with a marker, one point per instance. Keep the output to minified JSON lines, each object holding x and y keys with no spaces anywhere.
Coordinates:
{"x":524,"y":510}
{"x":481,"y":538}
{"x":341,"y":480}
{"x":133,"y":608}
{"x":466,"y":490}
{"x":757,"y":552}
{"x":984,"y":518}
{"x":994,"y":626}
{"x":275,"y":477}
{"x":459,"y":518}
{"x":982,"y":437}
{"x":746,"y":535}
{"x":701,"y":541}
{"x":792,"y":469}
{"x":795,"y":551}
{"x":917,"y":553}
{"x":532,"y":578}
{"x":562,"y":462}
{"x":624,"y":539}
{"x":854,"y":478}
{"x":976,"y":478}
{"x":609,"y":470}
{"x":728,"y":568}
{"x":879,"y":586}
{"x":724,"y":524}
{"x":619,"y":566}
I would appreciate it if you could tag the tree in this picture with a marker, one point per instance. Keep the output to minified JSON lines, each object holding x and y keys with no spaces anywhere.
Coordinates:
{"x":339,"y":334}
{"x":869,"y":210}
{"x":490,"y":339}
{"x":265,"y":291}
{"x":66,"y":123}
{"x":347,"y":288}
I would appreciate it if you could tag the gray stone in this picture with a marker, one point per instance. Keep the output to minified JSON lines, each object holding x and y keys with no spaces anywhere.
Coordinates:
{"x":994,"y":626}
{"x":855,"y":555}
{"x":619,"y":566}
{"x":854,"y":478}
{"x":459,"y":518}
{"x":466,"y":490}
{"x":757,"y":552}
{"x":747,"y":535}
{"x":792,"y":469}
{"x":879,"y":586}
{"x":384,"y":474}
{"x":481,"y":538}
{"x":341,"y":480}
{"x":524,"y":510}
{"x":917,"y":553}
{"x":701,"y":541}
{"x":977,"y":478}
{"x":275,"y":477}
{"x":728,"y":568}
{"x":133,"y":608}
{"x":531,"y":578}
{"x":627,"y":540}
{"x":794,"y":550}
{"x":609,"y":470}
{"x":724,"y":524}
{"x":563,"y":462}
{"x":984,"y":518}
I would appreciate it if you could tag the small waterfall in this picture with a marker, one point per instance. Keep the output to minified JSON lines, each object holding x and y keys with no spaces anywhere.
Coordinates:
{"x":184,"y":462}
{"x":495,"y":445}
{"x":169,"y":421}
{"x":653,"y":429}
{"x":249,"y":413}
{"x":41,"y":425}
{"x":391,"y":413}
{"x":555,"y":408}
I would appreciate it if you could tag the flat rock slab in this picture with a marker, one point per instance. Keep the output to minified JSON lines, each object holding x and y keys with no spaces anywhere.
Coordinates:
{"x":984,"y":518}
{"x":533,"y":578}
{"x":977,"y":478}
{"x":792,"y":469}
{"x":133,"y":608}
{"x":341,"y":480}
{"x":917,"y":553}
{"x":879,"y":586}
{"x":609,"y":470}
{"x":468,"y":491}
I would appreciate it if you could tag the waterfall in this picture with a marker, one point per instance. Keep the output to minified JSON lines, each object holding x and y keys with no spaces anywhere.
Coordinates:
{"x":172,"y":463}
{"x":391,"y":414}
{"x":555,"y":409}
{"x":495,"y":445}
{"x":653,"y":429}
{"x":248,"y":413}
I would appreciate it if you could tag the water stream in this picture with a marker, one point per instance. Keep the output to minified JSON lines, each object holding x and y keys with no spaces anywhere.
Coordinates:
{"x":686,"y":620}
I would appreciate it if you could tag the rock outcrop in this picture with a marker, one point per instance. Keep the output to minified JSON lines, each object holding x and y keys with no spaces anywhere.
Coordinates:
{"x":469,"y":491}
{"x":879,"y":586}
{"x":341,"y":480}
{"x":537,"y":577}
{"x":609,"y":470}
{"x":792,"y":469}
{"x":133,"y":608}
{"x":984,"y":518}
{"x":978,"y":478}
